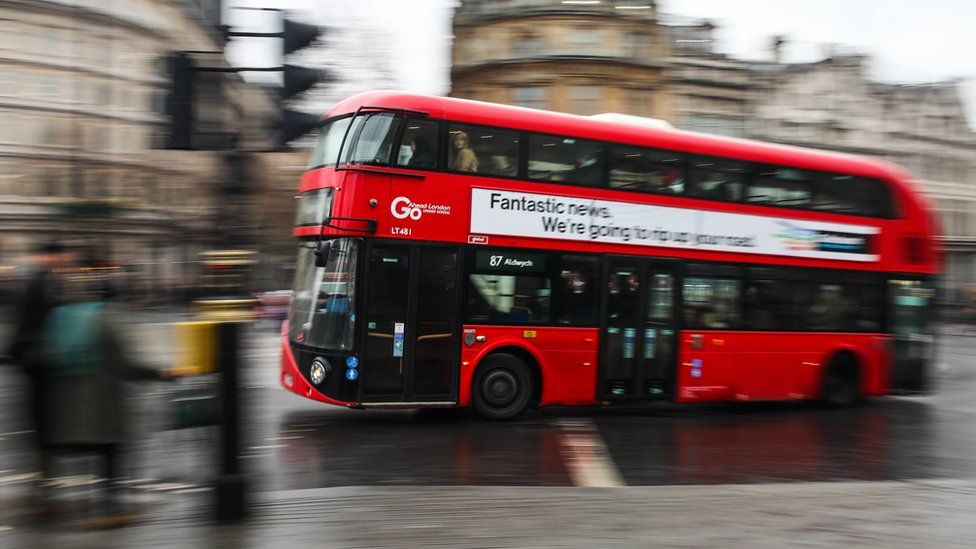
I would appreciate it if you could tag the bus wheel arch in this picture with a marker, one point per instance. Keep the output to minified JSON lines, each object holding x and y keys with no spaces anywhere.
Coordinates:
{"x":841,"y":382}
{"x":506,"y":365}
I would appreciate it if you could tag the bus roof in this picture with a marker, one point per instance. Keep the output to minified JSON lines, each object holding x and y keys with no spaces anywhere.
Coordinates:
{"x":608,"y":129}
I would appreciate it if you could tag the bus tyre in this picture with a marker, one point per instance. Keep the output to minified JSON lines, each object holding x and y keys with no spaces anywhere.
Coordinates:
{"x":842,"y":382}
{"x":502,"y":387}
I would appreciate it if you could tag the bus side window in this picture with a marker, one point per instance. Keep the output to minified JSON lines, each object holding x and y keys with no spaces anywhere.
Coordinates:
{"x":647,"y":170}
{"x":495,"y":151}
{"x":565,"y":159}
{"x":778,"y":186}
{"x":711,"y":303}
{"x":418,"y":148}
{"x":577,"y":291}
{"x":717,"y":179}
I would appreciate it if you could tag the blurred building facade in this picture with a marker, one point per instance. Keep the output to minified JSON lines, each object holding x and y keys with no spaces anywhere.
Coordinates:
{"x":623,"y":56}
{"x":83,"y":109}
{"x":582,"y":58}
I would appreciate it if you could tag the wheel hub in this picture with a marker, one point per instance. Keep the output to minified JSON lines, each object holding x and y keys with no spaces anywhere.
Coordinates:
{"x":500,"y":388}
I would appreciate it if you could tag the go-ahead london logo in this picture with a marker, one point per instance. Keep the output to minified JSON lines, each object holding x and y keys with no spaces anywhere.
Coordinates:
{"x":402,"y":207}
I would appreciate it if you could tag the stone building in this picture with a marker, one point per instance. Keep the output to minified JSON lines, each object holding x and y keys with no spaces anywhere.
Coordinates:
{"x":709,"y":91}
{"x":579,"y":57}
{"x":82,"y":105}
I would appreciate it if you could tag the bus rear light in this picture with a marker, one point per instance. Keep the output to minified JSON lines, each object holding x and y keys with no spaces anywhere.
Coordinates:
{"x":912,"y":250}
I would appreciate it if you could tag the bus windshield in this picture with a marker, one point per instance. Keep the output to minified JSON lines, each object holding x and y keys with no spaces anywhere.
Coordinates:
{"x":322,"y":309}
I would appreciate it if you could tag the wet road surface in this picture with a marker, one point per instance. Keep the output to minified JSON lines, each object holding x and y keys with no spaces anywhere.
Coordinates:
{"x":293,"y":443}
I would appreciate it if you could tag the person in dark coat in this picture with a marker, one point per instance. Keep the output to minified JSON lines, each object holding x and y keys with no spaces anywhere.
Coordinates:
{"x":85,"y":362}
{"x":424,"y":155}
{"x":40,"y":296}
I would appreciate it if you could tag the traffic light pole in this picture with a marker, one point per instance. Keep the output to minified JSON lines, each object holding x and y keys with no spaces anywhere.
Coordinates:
{"x":230,"y":485}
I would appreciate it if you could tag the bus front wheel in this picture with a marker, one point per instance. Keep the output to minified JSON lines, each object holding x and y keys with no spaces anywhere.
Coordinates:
{"x":842,"y":382}
{"x":502,"y":387}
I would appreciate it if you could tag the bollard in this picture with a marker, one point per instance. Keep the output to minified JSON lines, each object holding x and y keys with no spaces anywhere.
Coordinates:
{"x":230,"y":490}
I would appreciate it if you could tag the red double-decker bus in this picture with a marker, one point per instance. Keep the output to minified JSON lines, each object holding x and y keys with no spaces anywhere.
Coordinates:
{"x":457,"y":253}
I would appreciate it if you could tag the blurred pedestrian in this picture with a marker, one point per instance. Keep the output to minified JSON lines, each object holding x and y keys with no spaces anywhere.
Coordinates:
{"x":39,"y":298}
{"x":85,"y":363}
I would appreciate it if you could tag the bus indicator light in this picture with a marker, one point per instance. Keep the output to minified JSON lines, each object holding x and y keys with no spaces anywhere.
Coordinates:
{"x":352,"y":374}
{"x":352,"y":361}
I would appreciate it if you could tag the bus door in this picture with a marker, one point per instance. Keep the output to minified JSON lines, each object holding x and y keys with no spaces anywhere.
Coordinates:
{"x":910,"y":319}
{"x":410,"y":345}
{"x":638,"y":351}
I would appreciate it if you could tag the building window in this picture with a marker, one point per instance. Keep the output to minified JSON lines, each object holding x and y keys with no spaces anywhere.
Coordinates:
{"x":585,"y":41}
{"x":529,"y":45}
{"x":533,"y":97}
{"x":586,"y":100}
{"x":634,"y":45}
{"x":639,"y":102}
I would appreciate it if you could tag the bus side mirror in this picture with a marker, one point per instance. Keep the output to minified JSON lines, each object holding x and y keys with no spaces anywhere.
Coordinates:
{"x":321,"y":254}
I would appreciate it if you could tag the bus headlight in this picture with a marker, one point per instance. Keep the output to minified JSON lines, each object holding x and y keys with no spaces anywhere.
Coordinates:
{"x":320,"y":369}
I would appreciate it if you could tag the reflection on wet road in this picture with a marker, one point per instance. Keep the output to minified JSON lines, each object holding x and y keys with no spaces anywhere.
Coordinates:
{"x":888,"y":439}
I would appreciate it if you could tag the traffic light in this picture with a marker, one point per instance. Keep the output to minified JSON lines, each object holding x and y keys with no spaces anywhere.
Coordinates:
{"x":180,"y":76}
{"x":293,"y":124}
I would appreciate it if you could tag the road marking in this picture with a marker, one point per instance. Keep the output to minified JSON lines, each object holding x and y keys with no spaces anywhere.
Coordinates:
{"x":16,"y":433}
{"x":166,"y":487}
{"x":137,"y":481}
{"x":268,"y":447}
{"x":586,"y":456}
{"x":194,"y":490}
{"x":16,"y":479}
{"x":73,"y":481}
{"x":5,"y":528}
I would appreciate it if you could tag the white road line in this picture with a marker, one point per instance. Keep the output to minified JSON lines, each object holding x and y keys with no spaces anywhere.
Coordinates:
{"x":73,"y":481}
{"x":165,"y":487}
{"x":137,"y":481}
{"x":194,"y":490}
{"x":586,"y":456}
{"x":268,"y":447}
{"x":16,"y":433}
{"x":17,"y":479}
{"x":5,"y":528}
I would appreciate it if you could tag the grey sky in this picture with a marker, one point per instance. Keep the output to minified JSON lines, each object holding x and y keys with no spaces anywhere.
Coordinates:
{"x":909,"y":41}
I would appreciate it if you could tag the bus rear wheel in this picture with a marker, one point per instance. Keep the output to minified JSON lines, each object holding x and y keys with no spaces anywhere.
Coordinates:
{"x":502,"y":387}
{"x":842,"y":382}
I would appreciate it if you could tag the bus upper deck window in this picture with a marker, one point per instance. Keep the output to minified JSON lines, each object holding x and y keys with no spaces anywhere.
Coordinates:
{"x":418,"y":147}
{"x":372,"y":138}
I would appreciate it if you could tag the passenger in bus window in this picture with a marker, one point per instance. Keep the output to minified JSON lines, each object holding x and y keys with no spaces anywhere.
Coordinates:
{"x":589,"y":169}
{"x":463,"y":159}
{"x":423,"y":155}
{"x":674,"y":183}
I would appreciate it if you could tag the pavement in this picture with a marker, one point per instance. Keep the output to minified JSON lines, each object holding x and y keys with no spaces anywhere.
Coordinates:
{"x":877,"y":514}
